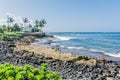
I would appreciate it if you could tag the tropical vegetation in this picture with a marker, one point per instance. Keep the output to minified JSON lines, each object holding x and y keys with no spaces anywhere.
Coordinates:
{"x":27,"y":72}
{"x":14,"y":29}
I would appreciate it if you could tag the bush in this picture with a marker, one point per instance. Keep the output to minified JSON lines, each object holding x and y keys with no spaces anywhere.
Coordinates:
{"x":1,"y":30}
{"x":7,"y":35}
{"x":4,"y":37}
{"x":18,"y":35}
{"x":27,"y":72}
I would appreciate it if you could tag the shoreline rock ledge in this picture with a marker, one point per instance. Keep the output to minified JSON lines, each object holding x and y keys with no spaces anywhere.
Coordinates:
{"x":38,"y":34}
{"x":70,"y":66}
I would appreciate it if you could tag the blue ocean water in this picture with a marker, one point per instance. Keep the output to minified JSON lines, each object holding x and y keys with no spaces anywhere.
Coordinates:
{"x":96,"y":44}
{"x":107,"y":43}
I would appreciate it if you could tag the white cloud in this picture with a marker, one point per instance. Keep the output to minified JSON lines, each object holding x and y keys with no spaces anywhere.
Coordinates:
{"x":9,"y":14}
{"x":18,"y":19}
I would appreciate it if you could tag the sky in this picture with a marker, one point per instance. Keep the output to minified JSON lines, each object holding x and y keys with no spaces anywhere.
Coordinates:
{"x":67,"y":15}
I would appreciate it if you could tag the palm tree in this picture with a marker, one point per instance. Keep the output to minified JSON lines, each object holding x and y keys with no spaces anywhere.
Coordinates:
{"x":36,"y":24}
{"x":25,"y":20}
{"x":4,"y":27}
{"x":16,"y":28}
{"x":42,"y":23}
{"x":9,"y":21}
{"x":30,"y":26}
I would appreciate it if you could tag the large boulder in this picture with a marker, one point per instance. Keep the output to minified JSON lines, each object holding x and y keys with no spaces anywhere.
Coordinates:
{"x":28,"y":39}
{"x":49,"y":42}
{"x":37,"y":34}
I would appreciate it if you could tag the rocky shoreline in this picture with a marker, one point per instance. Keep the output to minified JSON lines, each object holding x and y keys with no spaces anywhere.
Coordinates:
{"x":19,"y":51}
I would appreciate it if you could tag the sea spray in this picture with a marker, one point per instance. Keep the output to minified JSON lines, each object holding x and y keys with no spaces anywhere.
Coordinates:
{"x":62,"y":37}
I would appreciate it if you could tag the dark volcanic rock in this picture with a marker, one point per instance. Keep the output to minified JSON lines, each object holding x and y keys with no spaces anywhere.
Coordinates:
{"x":49,"y":42}
{"x":68,"y":70}
{"x":11,"y":45}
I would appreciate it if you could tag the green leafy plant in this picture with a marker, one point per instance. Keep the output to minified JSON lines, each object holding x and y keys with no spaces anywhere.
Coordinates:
{"x":8,"y":35}
{"x":1,"y":31}
{"x":27,"y":72}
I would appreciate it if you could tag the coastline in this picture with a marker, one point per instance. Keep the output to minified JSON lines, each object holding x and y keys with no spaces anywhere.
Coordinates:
{"x":62,"y":55}
{"x":70,"y":66}
{"x":96,"y":44}
{"x":62,"y":58}
{"x":50,"y":42}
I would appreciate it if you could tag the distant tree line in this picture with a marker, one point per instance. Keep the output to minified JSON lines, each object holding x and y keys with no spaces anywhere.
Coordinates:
{"x":15,"y":27}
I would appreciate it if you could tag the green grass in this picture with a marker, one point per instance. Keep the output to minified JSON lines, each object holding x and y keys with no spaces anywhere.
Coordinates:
{"x":27,"y":72}
{"x":9,"y":34}
{"x":12,"y":34}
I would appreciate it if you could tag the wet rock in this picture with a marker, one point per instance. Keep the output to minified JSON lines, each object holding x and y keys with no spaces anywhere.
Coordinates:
{"x":9,"y":55}
{"x":118,"y":75}
{"x":49,"y":58}
{"x":28,"y":39}
{"x":49,"y":42}
{"x":10,"y":50}
{"x":81,"y":68}
{"x":30,"y":54}
{"x":48,"y":35}
{"x":11,"y":45}
{"x":101,"y":60}
{"x":37,"y":62}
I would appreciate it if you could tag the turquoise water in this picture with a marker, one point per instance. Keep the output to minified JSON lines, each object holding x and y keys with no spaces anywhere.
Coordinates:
{"x":107,"y":43}
{"x":96,"y":44}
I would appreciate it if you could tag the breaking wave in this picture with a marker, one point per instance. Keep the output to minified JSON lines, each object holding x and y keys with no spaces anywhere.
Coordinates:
{"x":94,"y":51}
{"x":63,"y":37}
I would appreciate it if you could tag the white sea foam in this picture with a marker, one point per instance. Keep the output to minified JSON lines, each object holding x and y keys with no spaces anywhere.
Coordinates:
{"x":62,"y":46}
{"x":113,"y":54}
{"x":72,"y":47}
{"x":75,"y":47}
{"x":106,"y":53}
{"x":53,"y":43}
{"x":94,"y":50}
{"x":117,"y":55}
{"x":62,"y":37}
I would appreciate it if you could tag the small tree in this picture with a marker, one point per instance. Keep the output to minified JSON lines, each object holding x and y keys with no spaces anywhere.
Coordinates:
{"x":4,"y":27}
{"x":1,"y":31}
{"x":16,"y":28}
{"x":9,"y":21}
{"x":36,"y":23}
{"x":25,"y":20}
{"x":30,"y":26}
{"x":42,"y":23}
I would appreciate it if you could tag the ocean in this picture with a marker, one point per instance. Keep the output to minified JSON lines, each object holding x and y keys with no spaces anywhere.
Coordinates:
{"x":95,"y":44}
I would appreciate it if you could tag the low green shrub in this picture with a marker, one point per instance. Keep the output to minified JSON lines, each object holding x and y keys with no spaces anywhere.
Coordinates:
{"x":7,"y":35}
{"x":18,"y":35}
{"x":27,"y":72}
{"x":3,"y":37}
{"x":1,"y":30}
{"x":13,"y":34}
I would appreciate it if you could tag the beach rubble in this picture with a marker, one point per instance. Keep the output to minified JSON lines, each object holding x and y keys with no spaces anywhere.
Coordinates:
{"x":71,"y":67}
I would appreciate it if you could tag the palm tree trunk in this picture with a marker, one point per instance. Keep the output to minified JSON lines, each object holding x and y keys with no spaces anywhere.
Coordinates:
{"x":25,"y":27}
{"x":41,"y":28}
{"x":8,"y":26}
